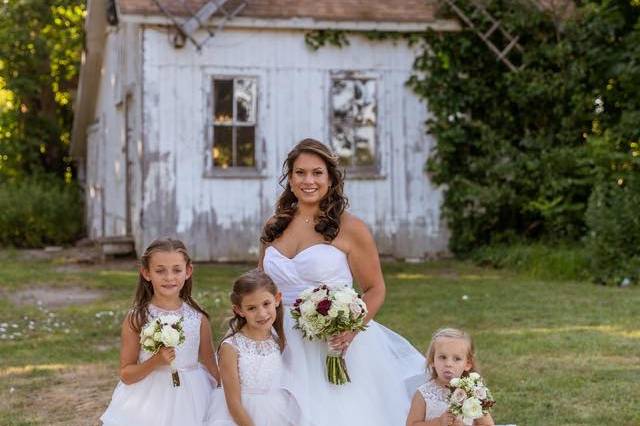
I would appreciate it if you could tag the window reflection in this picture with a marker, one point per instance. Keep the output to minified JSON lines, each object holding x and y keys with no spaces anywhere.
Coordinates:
{"x":245,"y":90}
{"x":353,"y":127}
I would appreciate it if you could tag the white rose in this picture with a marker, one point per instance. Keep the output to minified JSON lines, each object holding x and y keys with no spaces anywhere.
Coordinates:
{"x":157,"y":336}
{"x":334,"y":311}
{"x":149,"y":330}
{"x":474,"y":376}
{"x":480,"y":392}
{"x":149,"y":342}
{"x":343,"y":297}
{"x":471,"y":408}
{"x":455,"y":382}
{"x":336,"y":308}
{"x":170,"y":336}
{"x":458,"y":396}
{"x":318,"y":295}
{"x":308,"y":308}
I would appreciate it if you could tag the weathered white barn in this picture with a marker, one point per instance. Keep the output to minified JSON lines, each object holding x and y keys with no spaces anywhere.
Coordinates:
{"x":181,"y":125}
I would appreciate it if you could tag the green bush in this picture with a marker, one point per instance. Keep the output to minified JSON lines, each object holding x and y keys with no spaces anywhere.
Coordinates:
{"x":513,"y":148}
{"x":613,"y":217}
{"x":39,"y":212}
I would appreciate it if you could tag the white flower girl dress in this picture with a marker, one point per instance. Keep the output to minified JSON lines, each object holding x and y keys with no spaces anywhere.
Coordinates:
{"x":154,"y":401}
{"x":436,"y":397}
{"x":260,"y":372}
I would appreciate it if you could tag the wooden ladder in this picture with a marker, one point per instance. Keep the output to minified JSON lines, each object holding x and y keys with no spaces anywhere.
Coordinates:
{"x":473,"y":20}
{"x":198,"y":19}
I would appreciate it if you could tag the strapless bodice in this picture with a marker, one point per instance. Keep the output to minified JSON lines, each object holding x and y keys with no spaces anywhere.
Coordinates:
{"x":315,"y":265}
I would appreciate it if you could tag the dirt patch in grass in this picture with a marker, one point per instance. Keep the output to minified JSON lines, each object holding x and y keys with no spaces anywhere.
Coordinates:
{"x":78,"y":396}
{"x":69,"y":396}
{"x":54,"y":297}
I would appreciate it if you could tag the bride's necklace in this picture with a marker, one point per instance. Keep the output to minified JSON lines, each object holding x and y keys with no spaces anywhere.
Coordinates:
{"x":308,"y":219}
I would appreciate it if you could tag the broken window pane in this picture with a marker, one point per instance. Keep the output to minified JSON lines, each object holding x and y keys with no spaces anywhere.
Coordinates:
{"x":223,"y":101}
{"x":245,"y":100}
{"x":354,"y":110}
{"x":222,"y":146}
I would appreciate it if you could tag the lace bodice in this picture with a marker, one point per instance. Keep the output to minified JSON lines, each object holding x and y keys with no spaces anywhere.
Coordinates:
{"x":315,"y":265}
{"x":187,"y":352}
{"x":436,"y":397}
{"x":259,"y":363}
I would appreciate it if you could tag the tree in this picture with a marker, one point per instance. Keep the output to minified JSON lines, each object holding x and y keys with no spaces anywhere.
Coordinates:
{"x":40,"y":50}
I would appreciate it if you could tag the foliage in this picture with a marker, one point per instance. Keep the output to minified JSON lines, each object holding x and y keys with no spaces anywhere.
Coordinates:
{"x":613,"y":51}
{"x":39,"y":212}
{"x":541,"y":261}
{"x":510,"y":145}
{"x":40,"y":48}
{"x":614,"y":242}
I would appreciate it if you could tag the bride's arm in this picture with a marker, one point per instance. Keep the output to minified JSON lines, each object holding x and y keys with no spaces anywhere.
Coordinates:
{"x":365,"y":264}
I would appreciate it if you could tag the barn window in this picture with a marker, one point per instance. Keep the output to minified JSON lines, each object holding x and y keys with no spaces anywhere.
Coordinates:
{"x":234,"y":122}
{"x":354,"y":119}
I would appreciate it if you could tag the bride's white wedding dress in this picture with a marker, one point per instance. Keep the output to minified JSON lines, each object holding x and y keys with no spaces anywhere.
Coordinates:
{"x":385,"y":369}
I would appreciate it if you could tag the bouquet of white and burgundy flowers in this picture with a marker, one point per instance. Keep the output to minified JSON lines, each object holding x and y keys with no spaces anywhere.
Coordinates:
{"x":163,"y":331}
{"x":323,"y":312}
{"x":469,"y":398}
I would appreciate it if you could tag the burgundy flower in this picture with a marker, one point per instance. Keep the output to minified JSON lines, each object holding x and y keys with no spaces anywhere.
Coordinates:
{"x":323,"y":307}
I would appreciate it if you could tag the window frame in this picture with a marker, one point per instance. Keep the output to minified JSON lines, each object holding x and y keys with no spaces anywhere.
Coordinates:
{"x":372,"y":171}
{"x":212,"y":171}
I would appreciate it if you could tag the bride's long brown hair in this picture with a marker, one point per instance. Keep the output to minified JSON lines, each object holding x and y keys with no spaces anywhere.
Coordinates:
{"x":331,"y":206}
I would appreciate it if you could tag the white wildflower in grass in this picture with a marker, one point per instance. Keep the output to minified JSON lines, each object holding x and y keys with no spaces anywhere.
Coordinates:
{"x":469,"y":398}
{"x":323,"y":312}
{"x":163,"y":331}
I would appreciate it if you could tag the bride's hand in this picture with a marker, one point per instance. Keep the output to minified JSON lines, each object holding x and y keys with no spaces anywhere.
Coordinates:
{"x":343,"y":340}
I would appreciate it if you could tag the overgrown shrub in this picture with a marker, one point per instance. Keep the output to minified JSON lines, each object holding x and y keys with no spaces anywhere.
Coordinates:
{"x":37,"y":212}
{"x":510,"y":146}
{"x":614,"y":241}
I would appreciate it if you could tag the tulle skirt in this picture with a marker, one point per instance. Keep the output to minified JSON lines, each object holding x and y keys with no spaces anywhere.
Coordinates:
{"x":272,"y":408}
{"x":154,"y":401}
{"x":384,"y":368}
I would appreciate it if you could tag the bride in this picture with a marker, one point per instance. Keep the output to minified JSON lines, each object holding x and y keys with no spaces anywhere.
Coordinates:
{"x":310,"y":240}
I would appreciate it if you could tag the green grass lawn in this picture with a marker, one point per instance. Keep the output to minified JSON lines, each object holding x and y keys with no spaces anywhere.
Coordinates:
{"x":553,"y":352}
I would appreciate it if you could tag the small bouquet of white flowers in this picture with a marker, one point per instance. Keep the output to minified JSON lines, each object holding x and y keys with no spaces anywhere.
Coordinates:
{"x":323,"y":312}
{"x":469,"y":398}
{"x":163,"y":331}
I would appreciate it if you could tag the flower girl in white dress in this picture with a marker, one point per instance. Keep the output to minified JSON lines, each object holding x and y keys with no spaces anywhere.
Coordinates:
{"x":450,"y":355}
{"x":251,"y":361}
{"x":145,"y":395}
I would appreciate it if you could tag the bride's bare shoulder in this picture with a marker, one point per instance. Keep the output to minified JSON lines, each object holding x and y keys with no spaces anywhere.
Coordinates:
{"x":353,"y":228}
